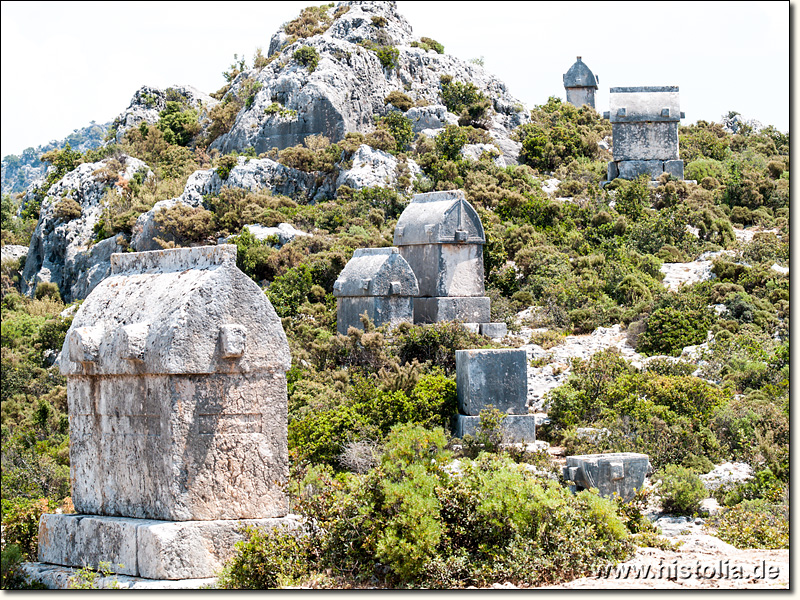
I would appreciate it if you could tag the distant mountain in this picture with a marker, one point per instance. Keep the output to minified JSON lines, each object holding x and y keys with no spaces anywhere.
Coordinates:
{"x":18,"y":172}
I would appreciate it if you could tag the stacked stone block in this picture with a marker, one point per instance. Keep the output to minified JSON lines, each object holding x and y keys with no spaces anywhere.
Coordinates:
{"x":441,"y":236}
{"x":497,"y":378}
{"x":176,"y":384}
{"x":644,"y":124}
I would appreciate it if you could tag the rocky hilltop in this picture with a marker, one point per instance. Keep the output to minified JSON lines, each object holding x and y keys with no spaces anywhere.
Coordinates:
{"x":332,"y":71}
{"x":363,"y":51}
{"x":20,"y":171}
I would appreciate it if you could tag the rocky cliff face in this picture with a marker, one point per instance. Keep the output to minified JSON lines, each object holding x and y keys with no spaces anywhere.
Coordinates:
{"x":349,"y":84}
{"x":148,"y":102}
{"x":62,"y":249}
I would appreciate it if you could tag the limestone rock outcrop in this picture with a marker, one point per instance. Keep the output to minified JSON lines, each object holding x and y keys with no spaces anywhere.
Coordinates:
{"x":374,"y":168}
{"x":62,"y":249}
{"x":148,"y":102}
{"x":253,"y":175}
{"x":349,"y":84}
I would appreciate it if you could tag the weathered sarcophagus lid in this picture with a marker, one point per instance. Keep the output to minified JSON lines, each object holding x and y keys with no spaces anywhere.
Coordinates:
{"x":376,"y":272}
{"x":179,"y":311}
{"x":439,"y":218}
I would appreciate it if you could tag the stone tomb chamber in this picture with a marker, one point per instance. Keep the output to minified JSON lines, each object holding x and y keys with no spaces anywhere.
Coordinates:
{"x":176,"y":382}
{"x":377,"y":282}
{"x":644,"y":127}
{"x":441,"y":236}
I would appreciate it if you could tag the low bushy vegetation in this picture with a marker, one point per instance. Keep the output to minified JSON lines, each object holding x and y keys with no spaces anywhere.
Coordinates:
{"x":369,"y":413}
{"x":410,"y":521}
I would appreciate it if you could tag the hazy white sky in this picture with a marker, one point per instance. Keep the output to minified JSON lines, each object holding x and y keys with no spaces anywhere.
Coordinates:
{"x":65,"y":64}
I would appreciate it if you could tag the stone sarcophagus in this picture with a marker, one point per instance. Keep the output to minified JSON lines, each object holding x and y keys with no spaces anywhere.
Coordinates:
{"x":177,"y":396}
{"x":377,"y":282}
{"x":176,"y":383}
{"x":441,"y":236}
{"x":644,"y":125}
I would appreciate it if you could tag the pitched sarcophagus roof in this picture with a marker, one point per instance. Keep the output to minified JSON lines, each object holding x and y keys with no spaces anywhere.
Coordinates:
{"x":179,"y":311}
{"x":376,"y":272}
{"x":439,"y":218}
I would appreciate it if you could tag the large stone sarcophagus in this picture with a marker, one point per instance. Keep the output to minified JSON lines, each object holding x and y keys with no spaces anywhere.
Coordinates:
{"x":176,"y":383}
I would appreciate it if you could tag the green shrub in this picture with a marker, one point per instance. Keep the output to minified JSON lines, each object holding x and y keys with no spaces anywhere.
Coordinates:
{"x":754,"y":524}
{"x":400,"y":127}
{"x":308,"y":57}
{"x":267,"y":559}
{"x":225,"y":165}
{"x":288,"y":291}
{"x":399,"y":99}
{"x":313,"y":20}
{"x":450,"y":142}
{"x":67,"y":209}
{"x":681,"y":490}
{"x":182,"y":225}
{"x":21,"y":524}
{"x":47,"y":289}
{"x":389,"y":57}
{"x":178,"y":123}
{"x":432,"y":44}
{"x":669,"y":330}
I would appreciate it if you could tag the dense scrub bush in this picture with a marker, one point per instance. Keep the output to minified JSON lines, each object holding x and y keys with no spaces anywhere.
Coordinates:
{"x":307,"y":56}
{"x":754,"y":524}
{"x":399,"y":100}
{"x":560,"y":132}
{"x":681,"y":490}
{"x":178,"y":123}
{"x":313,"y":20}
{"x":665,"y":416}
{"x":465,"y":100}
{"x":411,"y":522}
{"x":669,"y":330}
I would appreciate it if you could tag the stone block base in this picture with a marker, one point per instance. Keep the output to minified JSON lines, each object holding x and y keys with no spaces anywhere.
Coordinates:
{"x":631,"y":169}
{"x":55,"y":577}
{"x":144,"y":547}
{"x":467,"y":309}
{"x":620,"y":473}
{"x":494,"y":330}
{"x":518,"y":428}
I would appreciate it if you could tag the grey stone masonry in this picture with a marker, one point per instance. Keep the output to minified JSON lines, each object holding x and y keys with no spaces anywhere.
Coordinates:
{"x":176,"y":386}
{"x":580,"y":84}
{"x":143,"y":547}
{"x":496,"y":377}
{"x":377,"y":282}
{"x":618,"y":474}
{"x":441,"y":236}
{"x":644,"y":124}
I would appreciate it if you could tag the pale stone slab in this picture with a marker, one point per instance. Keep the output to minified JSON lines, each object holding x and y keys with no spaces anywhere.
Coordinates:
{"x":55,"y":577}
{"x":464,"y":309}
{"x":492,"y":377}
{"x":620,"y":473}
{"x":494,"y":330}
{"x":145,"y":547}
